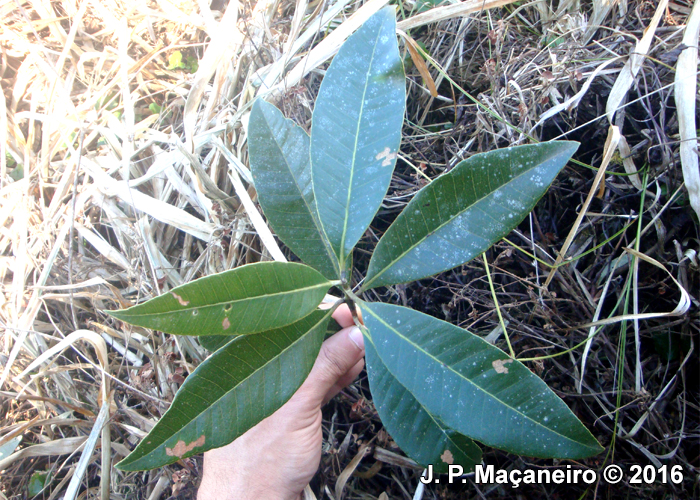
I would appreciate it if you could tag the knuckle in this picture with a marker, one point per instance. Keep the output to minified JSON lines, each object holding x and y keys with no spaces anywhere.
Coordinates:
{"x":332,"y":363}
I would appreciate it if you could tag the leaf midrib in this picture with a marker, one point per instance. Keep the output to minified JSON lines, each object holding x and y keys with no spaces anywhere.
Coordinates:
{"x":432,"y":417}
{"x":233,"y":301}
{"x":314,"y":213}
{"x":303,"y":336}
{"x":449,"y":367}
{"x":354,"y":153}
{"x":391,"y":264}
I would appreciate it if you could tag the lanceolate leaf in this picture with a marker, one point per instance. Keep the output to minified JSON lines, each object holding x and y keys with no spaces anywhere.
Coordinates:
{"x":249,"y":299}
{"x":423,"y":437}
{"x":279,"y":161}
{"x":462,"y":213}
{"x":356,"y":131}
{"x":239,"y":385}
{"x":474,"y":387}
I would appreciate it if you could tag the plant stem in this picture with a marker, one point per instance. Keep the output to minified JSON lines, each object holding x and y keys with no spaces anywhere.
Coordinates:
{"x":353,"y":309}
{"x":350,"y":300}
{"x":498,"y":309}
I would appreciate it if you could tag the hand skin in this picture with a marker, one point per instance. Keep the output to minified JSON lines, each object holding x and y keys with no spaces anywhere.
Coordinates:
{"x":277,"y":458}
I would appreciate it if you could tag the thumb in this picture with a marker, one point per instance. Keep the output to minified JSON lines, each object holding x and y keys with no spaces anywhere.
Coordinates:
{"x":338,"y":355}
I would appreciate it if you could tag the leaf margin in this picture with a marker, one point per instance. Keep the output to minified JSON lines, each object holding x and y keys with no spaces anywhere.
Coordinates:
{"x":176,"y":302}
{"x":264,"y":109}
{"x":372,"y":278}
{"x":373,"y":361}
{"x":318,"y":329}
{"x":594,"y":450}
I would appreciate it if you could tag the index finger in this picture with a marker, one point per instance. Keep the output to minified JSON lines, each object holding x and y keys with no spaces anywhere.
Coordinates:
{"x":344,"y":317}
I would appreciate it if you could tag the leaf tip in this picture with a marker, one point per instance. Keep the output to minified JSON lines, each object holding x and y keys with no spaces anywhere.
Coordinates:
{"x":570,"y":147}
{"x":118,"y":314}
{"x":126,"y":465}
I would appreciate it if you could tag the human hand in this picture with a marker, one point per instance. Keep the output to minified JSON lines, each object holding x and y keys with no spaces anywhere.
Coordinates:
{"x":277,"y":458}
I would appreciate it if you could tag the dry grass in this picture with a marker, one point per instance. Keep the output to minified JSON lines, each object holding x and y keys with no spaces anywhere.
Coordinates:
{"x":124,"y":174}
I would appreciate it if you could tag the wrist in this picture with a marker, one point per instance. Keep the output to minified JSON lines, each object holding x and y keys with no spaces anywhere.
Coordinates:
{"x":225,"y":489}
{"x":230,"y":479}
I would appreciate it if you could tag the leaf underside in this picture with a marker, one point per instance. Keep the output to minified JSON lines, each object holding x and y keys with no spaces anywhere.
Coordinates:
{"x":419,"y":434}
{"x":356,"y":131}
{"x":462,"y":213}
{"x":473,"y":387}
{"x":281,"y":168}
{"x":248,"y":299}
{"x":235,"y":388}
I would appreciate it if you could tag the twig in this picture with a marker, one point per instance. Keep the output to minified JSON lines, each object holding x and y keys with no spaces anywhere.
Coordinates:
{"x":72,"y":229}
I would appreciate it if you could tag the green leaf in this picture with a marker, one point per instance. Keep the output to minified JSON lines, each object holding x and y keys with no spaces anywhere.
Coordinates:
{"x":175,"y":60}
{"x":9,"y":447}
{"x":356,"y":131}
{"x":279,"y":162}
{"x":37,"y":482}
{"x":462,"y":213}
{"x":474,"y":387}
{"x":419,"y":434}
{"x":238,"y":386}
{"x":155,"y":108}
{"x":191,"y":64}
{"x":213,"y":343}
{"x":249,"y":299}
{"x":17,"y":173}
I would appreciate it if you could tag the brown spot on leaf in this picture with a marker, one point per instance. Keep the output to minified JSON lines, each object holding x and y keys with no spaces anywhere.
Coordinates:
{"x":447,"y":457}
{"x":499,"y":365}
{"x":182,"y":301}
{"x":387,"y":155}
{"x":226,"y":323}
{"x":181,"y":447}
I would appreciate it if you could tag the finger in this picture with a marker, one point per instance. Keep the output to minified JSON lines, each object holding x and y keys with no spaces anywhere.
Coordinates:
{"x":343,"y":316}
{"x":345,"y":381}
{"x":339,"y":354}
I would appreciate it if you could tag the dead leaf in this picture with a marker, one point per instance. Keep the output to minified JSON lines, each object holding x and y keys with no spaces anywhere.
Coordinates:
{"x":347,"y":472}
{"x":420,"y":65}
